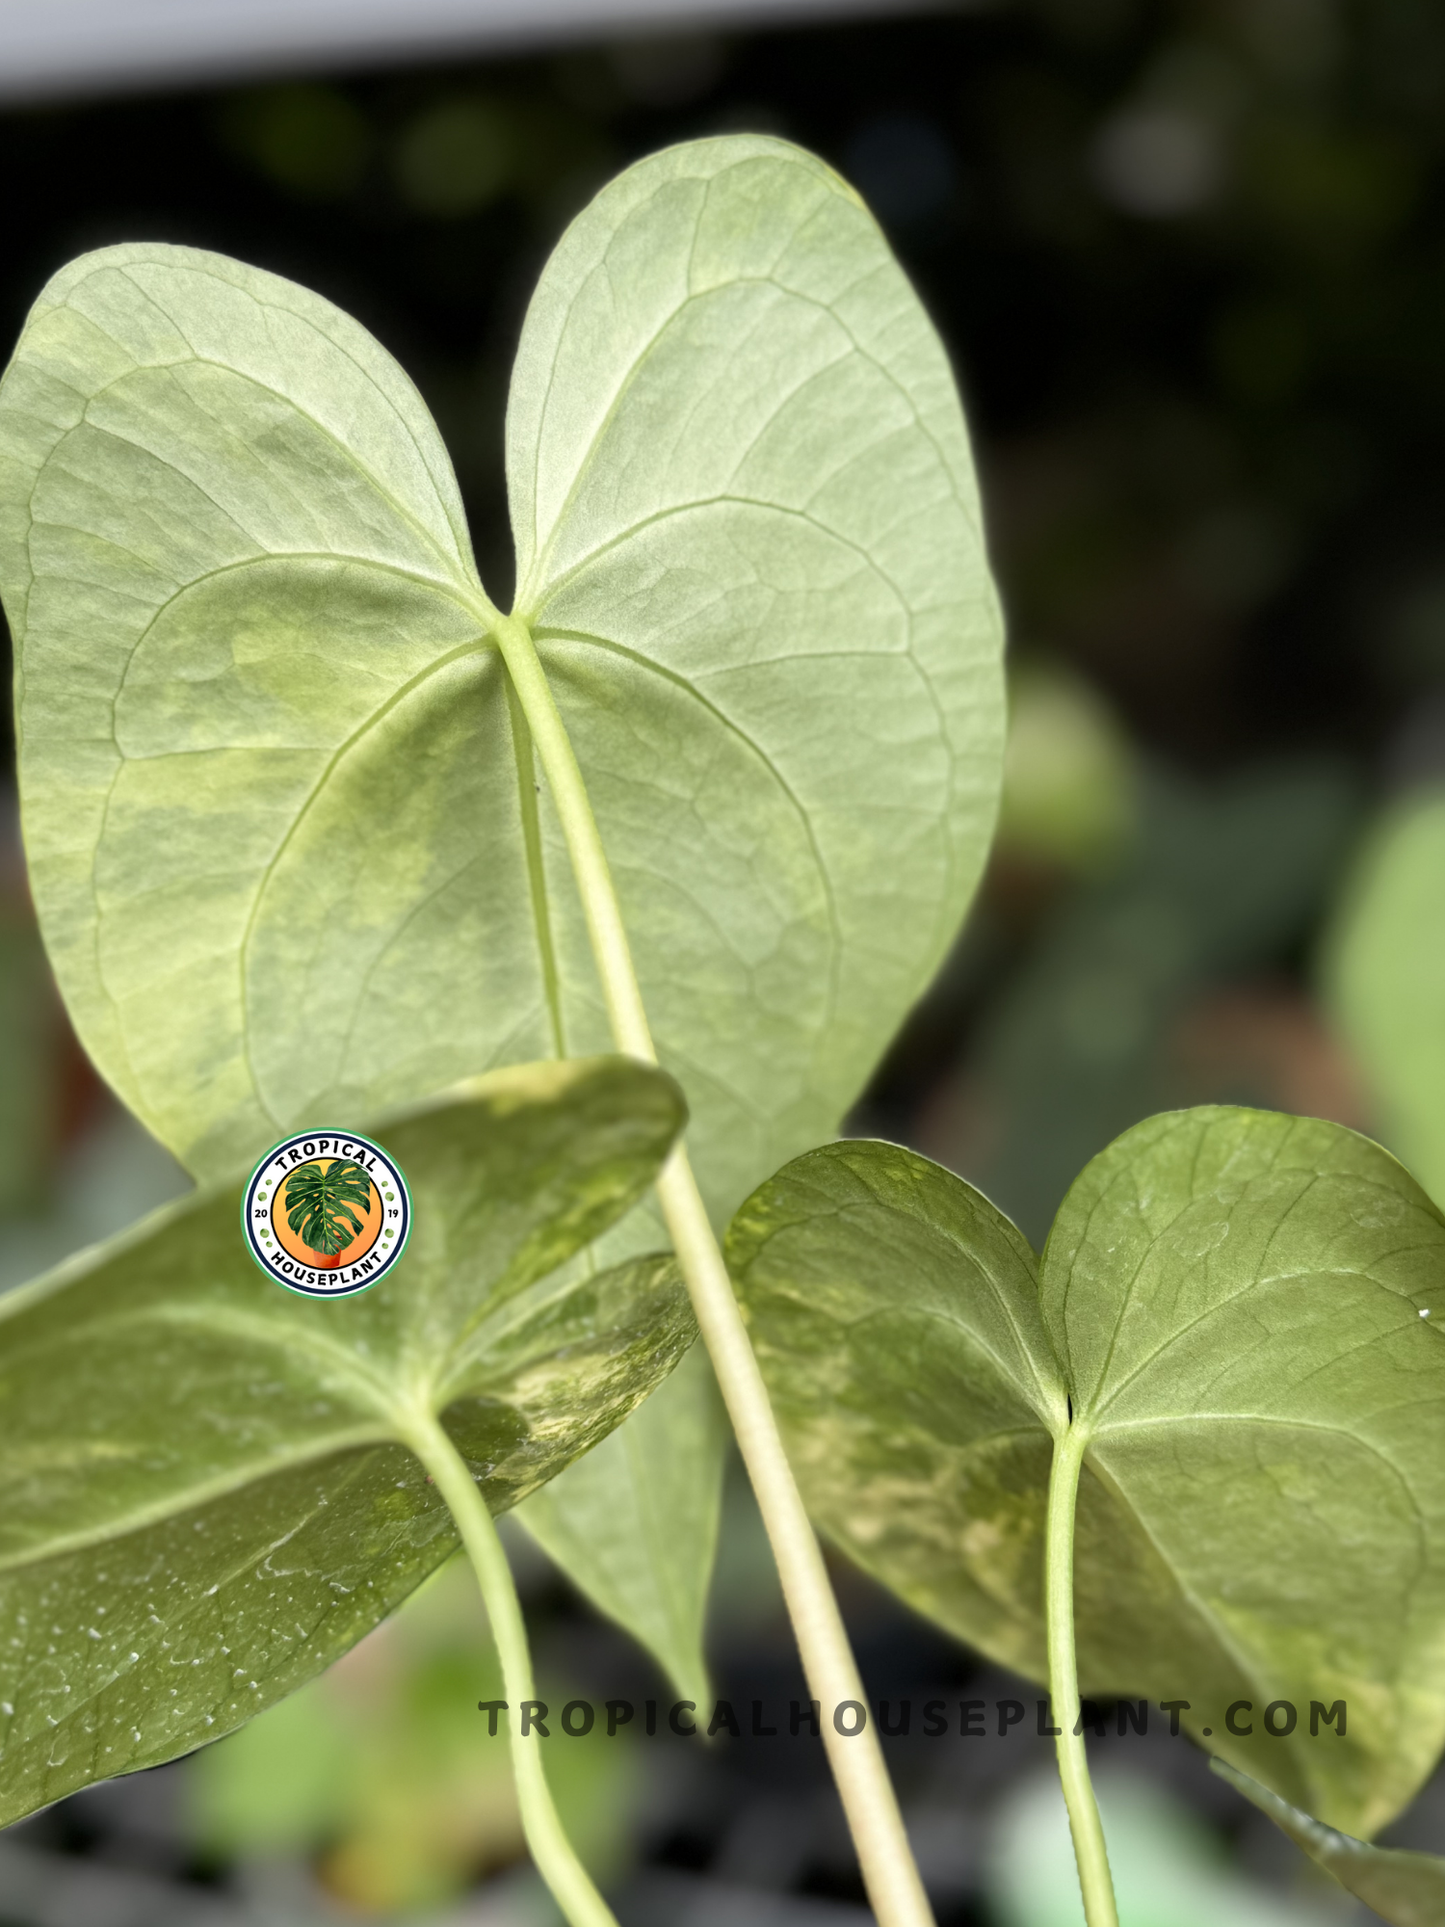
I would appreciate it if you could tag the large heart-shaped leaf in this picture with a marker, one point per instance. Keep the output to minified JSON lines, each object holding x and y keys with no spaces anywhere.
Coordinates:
{"x":1405,"y":1889}
{"x":1383,"y":972}
{"x":289,"y":853}
{"x":1232,"y":1303}
{"x":204,"y":1497}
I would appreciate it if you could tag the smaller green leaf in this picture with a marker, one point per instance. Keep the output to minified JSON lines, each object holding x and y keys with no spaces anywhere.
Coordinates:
{"x":895,"y":1316}
{"x":1405,"y":1889}
{"x":1240,"y":1312}
{"x":206,"y":1490}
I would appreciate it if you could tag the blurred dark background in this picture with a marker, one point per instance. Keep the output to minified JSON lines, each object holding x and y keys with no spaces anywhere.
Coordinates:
{"x":1189,"y":260}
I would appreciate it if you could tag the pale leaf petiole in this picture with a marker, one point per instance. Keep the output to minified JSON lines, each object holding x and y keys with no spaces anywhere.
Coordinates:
{"x":1095,"y":1882}
{"x":884,"y":1856}
{"x":552,"y":1852}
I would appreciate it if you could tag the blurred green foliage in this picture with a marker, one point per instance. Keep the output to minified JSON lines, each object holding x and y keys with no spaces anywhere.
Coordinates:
{"x":1109,"y":1009}
{"x":310,"y":141}
{"x":1383,"y":967}
{"x":456,"y":157}
{"x":382,"y":1770}
{"x":1169,"y":1869}
{"x":1070,"y":779}
{"x":1224,"y":876}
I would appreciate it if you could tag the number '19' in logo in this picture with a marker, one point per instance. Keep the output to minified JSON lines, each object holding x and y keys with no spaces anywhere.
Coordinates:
{"x":326,"y":1213}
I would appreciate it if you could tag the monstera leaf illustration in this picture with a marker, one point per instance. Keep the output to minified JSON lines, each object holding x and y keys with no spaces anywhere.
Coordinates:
{"x":318,"y":1201}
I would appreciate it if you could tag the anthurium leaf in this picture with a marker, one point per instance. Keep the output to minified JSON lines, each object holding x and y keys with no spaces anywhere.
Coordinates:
{"x":203,"y":1494}
{"x":1405,"y":1889}
{"x":290,"y":857}
{"x":1232,"y":1300}
{"x":277,"y":817}
{"x":1382,"y":974}
{"x":895,"y":1316}
{"x":635,"y":1526}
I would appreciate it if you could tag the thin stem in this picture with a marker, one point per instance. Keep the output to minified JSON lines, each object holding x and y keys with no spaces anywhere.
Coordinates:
{"x":1084,"y":1822}
{"x":551,"y":1850}
{"x":884,"y":1856}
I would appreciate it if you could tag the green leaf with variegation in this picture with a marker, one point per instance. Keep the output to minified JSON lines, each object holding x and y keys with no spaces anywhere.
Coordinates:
{"x":289,"y":853}
{"x":206,"y":1488}
{"x":634,"y":1528}
{"x":1235,"y":1308}
{"x":1405,"y":1889}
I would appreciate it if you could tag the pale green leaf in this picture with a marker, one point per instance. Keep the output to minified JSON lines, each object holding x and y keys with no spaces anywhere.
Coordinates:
{"x":749,"y":546}
{"x":1382,"y":969}
{"x":895,"y":1318}
{"x":203,"y":1496}
{"x":637,"y":1528}
{"x":1405,"y":1889}
{"x":1232,"y":1301}
{"x":290,"y":855}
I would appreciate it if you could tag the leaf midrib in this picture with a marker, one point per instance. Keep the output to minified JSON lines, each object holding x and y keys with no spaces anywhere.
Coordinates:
{"x":1256,"y":1282}
{"x":1285,"y":1422}
{"x":726,"y":498}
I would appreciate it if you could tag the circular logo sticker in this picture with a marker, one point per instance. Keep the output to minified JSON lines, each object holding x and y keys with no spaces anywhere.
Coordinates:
{"x":326,"y":1213}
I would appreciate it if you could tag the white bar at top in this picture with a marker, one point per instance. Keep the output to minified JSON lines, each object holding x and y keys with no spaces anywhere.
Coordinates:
{"x":51,"y":47}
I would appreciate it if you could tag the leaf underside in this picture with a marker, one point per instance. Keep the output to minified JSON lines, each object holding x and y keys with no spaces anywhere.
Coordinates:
{"x":289,"y":852}
{"x":204,"y":1499}
{"x":635,"y":1528}
{"x":1405,"y":1889}
{"x":1232,"y":1300}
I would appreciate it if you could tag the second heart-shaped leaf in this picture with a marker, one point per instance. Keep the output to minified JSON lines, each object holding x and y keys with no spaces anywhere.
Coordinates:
{"x":210,"y":1488}
{"x":1230,"y":1304}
